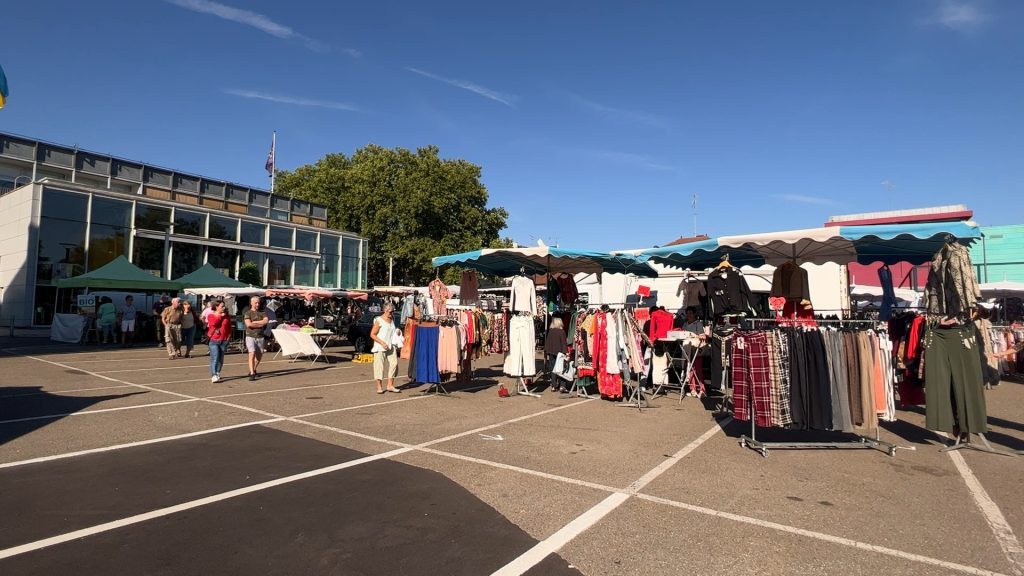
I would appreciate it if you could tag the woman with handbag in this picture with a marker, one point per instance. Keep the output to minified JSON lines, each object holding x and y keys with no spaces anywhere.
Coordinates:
{"x":385,"y":353}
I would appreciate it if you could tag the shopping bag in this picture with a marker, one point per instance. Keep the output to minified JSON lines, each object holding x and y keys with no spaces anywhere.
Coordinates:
{"x":564,"y":368}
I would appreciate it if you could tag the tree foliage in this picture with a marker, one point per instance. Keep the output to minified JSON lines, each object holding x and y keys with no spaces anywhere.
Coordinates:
{"x":411,"y":206}
{"x":249,"y":273}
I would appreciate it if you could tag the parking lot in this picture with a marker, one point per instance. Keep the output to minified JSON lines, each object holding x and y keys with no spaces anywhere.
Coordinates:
{"x":118,"y":461}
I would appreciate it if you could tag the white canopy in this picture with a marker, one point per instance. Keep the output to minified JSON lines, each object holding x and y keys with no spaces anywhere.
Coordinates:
{"x":1004,"y":289}
{"x":226,"y":291}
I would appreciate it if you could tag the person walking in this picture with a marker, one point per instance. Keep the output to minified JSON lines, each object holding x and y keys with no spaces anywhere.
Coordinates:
{"x":128,"y":316}
{"x":190,"y":324}
{"x":106,"y":320}
{"x":255,"y":321}
{"x":205,"y":318}
{"x":171,"y":318}
{"x":218,"y":329}
{"x":158,"y":321}
{"x":385,"y":354}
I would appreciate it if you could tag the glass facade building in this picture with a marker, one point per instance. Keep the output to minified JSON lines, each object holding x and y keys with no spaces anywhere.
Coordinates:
{"x":58,"y":222}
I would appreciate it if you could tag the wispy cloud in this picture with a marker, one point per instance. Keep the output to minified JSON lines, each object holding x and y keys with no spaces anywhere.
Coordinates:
{"x":258,"y":21}
{"x":802,"y":199}
{"x":506,"y":99}
{"x":622,"y":115}
{"x":963,"y":16}
{"x":294,"y":100}
{"x":627,"y":158}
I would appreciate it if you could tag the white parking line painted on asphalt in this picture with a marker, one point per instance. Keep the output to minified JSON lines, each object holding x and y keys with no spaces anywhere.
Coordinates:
{"x":314,"y":386}
{"x":527,"y":560}
{"x":824,"y":537}
{"x":997,"y":522}
{"x":60,"y":392}
{"x":105,"y":527}
{"x":134,"y":444}
{"x":183,"y":366}
{"x":100,"y":411}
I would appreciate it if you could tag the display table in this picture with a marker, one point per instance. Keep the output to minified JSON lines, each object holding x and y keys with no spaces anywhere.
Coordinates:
{"x":680,"y":351}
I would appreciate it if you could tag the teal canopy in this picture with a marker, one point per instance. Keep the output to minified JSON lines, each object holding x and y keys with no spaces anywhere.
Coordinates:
{"x":120,"y":274}
{"x":889,"y":243}
{"x":506,"y":262}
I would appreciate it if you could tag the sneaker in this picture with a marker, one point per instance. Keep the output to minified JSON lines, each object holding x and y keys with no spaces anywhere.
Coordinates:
{"x":252,"y":377}
{"x":215,"y":378}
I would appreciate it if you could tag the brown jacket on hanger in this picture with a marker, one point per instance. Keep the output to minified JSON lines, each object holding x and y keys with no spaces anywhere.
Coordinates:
{"x":790,"y":282}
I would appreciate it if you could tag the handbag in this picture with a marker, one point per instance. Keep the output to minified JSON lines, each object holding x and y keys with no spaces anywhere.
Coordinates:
{"x":564,"y":368}
{"x":397,"y":340}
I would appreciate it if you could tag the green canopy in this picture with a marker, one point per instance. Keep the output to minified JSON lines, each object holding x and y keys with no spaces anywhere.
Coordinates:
{"x":209,"y":277}
{"x":119,"y":274}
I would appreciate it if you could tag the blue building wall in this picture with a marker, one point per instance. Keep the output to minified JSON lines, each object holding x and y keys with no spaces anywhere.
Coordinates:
{"x":1003,"y":250}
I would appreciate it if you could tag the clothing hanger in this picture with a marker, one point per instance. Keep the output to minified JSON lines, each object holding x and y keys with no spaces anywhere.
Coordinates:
{"x":725,"y":262}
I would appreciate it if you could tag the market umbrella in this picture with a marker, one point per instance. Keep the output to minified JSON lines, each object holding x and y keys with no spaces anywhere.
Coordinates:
{"x":505,"y":262}
{"x":889,"y":243}
{"x":119,"y":274}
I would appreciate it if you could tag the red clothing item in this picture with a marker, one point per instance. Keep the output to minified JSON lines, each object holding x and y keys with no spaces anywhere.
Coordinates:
{"x":661,"y":323}
{"x":219,"y":327}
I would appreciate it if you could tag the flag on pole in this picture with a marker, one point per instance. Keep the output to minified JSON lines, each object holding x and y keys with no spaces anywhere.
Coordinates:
{"x":270,"y":157}
{"x":3,"y":87}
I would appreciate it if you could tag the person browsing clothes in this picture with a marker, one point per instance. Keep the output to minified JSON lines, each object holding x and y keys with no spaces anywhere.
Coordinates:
{"x":385,"y":353}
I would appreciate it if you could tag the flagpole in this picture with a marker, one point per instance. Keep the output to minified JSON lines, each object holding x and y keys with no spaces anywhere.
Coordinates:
{"x":273,"y":160}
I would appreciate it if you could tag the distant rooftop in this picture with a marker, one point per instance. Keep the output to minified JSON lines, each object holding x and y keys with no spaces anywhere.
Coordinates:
{"x":688,"y":239}
{"x":951,"y":213}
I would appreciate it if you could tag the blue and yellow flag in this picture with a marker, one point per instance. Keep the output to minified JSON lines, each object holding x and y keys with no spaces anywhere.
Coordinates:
{"x":3,"y":87}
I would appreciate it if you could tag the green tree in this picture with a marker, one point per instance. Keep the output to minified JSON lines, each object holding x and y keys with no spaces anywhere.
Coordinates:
{"x":411,"y":206}
{"x":249,"y":273}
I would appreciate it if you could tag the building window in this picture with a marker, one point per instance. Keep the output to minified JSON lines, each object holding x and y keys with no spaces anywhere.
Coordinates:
{"x":279,"y":215}
{"x":185,"y":258}
{"x":279,"y":270}
{"x":330,"y":257}
{"x":254,"y":233}
{"x":189,"y":223}
{"x":365,"y":264}
{"x":223,"y":228}
{"x":108,"y":234}
{"x":305,"y":271}
{"x":148,"y":254}
{"x":350,"y":272}
{"x":258,"y":211}
{"x":64,"y":205}
{"x":223,"y":259}
{"x":61,"y":250}
{"x":256,"y":258}
{"x":149,"y":217}
{"x":281,"y":237}
{"x":305,"y":241}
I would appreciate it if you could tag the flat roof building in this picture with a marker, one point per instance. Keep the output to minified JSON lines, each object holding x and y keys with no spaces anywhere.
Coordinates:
{"x":66,"y":211}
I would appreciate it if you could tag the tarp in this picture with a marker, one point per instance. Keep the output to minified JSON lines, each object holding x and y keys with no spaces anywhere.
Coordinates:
{"x":888,"y":243}
{"x":874,"y":293}
{"x":209,"y":277}
{"x":119,"y":274}
{"x":506,"y":262}
{"x":1004,"y":289}
{"x":308,"y":294}
{"x":67,"y":327}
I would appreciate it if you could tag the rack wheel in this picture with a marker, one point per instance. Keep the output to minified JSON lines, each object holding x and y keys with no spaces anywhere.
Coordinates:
{"x":743,"y":443}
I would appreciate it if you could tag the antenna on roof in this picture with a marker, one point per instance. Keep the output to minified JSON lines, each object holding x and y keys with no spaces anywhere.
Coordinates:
{"x":693,"y":206}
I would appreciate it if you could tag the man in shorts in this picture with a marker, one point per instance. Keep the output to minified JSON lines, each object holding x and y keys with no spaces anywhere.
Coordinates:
{"x":128,"y":315}
{"x":255,"y":321}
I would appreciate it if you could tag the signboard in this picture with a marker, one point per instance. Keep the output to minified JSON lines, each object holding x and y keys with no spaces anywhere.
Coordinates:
{"x":86,"y":300}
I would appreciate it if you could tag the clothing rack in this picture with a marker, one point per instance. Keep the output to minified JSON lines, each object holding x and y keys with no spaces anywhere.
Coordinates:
{"x":861,"y":442}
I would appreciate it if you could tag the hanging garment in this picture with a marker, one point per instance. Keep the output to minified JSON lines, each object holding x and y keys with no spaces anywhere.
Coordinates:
{"x":521,"y":359}
{"x":660,"y":324}
{"x":408,"y":307}
{"x":469,"y":288}
{"x":567,"y":289}
{"x":752,"y":378}
{"x":729,"y":292}
{"x":952,"y":287}
{"x":790,"y":281}
{"x":524,"y":295}
{"x":439,"y":294}
{"x":426,"y":355}
{"x":888,"y":294}
{"x":691,"y":289}
{"x":659,"y":365}
{"x":609,"y":384}
{"x":953,"y":383}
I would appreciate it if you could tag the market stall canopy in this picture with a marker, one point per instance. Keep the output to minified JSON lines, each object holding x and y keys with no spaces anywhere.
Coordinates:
{"x":119,"y":274}
{"x":888,"y":243}
{"x":1004,"y":289}
{"x":507,"y":262}
{"x":308,"y":294}
{"x":874,"y":293}
{"x":226,"y":291}
{"x":209,"y":277}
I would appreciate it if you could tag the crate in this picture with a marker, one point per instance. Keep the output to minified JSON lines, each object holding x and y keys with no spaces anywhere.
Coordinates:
{"x":362,"y":358}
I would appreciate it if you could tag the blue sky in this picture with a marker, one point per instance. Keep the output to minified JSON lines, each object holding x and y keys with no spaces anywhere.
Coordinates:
{"x":594,"y":122}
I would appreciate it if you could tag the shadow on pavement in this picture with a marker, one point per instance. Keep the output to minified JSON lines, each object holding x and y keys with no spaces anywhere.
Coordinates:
{"x":20,"y":402}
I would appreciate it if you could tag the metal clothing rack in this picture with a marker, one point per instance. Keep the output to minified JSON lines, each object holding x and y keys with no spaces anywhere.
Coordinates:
{"x":963,"y":441}
{"x":763,"y":447}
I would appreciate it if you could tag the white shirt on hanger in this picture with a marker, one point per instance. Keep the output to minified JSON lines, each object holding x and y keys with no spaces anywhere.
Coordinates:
{"x":524,"y":295}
